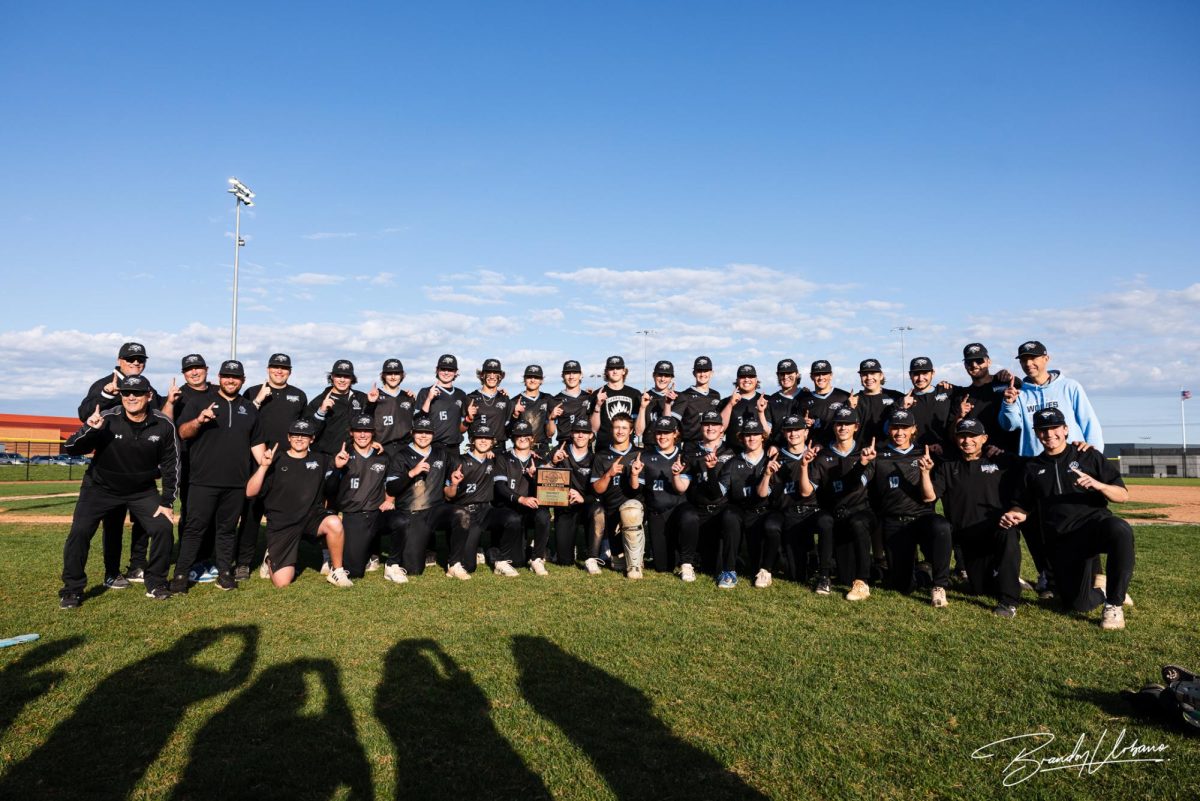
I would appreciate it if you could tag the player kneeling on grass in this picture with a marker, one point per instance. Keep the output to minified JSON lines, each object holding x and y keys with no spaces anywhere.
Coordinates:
{"x":1073,"y":488}
{"x":361,"y":495}
{"x":470,"y":490}
{"x":975,"y":490}
{"x":516,"y":491}
{"x":908,"y":519}
{"x":576,"y":457}
{"x":133,"y":444}
{"x":664,"y":480}
{"x":745,"y":481}
{"x":618,"y":504}
{"x":294,"y":485}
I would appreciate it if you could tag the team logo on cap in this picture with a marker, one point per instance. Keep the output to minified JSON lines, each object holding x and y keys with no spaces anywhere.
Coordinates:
{"x":193,"y":360}
{"x":135,"y":348}
{"x":974,"y":349}
{"x":301,"y":425}
{"x":1029,"y":346}
{"x":447,"y":361}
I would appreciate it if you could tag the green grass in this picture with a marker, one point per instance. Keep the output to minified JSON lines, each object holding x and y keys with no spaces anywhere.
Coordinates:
{"x":570,"y":686}
{"x":1164,"y":482}
{"x":41,"y":472}
{"x":36,"y":488}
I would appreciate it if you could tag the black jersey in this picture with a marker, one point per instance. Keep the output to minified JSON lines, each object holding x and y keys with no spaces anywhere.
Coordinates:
{"x":785,"y":485}
{"x":690,"y":405}
{"x":626,"y":399}
{"x":976,"y":492}
{"x":190,"y":402}
{"x":295,"y":487}
{"x":513,"y":480}
{"x":1049,"y":482}
{"x":492,"y":411}
{"x":655,"y":409}
{"x":424,"y":491}
{"x":931,"y":409}
{"x":219,"y":454}
{"x":335,"y":424}
{"x":618,"y":488}
{"x":820,"y":410}
{"x":279,"y":409}
{"x":705,"y":490}
{"x":896,"y":484}
{"x":739,"y":479}
{"x":129,"y":456}
{"x":575,"y":407}
{"x":361,"y":483}
{"x":537,"y":414}
{"x":840,"y":480}
{"x":446,"y":410}
{"x":987,"y":401}
{"x":479,"y":479}
{"x":393,"y":418}
{"x":580,"y":466}
{"x":657,"y":479}
{"x":780,"y":406}
{"x":873,"y":411}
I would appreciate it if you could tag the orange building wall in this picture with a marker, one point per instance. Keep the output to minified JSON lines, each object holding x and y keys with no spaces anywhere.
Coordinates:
{"x":15,"y":428}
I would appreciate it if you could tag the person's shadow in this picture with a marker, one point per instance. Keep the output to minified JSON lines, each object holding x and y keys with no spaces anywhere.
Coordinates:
{"x":24,"y":680}
{"x":613,"y":724}
{"x":102,"y":750}
{"x":445,"y":742}
{"x":288,"y":735}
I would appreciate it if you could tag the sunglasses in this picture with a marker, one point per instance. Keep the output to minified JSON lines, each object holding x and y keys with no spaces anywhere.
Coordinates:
{"x":129,"y":393}
{"x":973,"y":362}
{"x":135,"y":360}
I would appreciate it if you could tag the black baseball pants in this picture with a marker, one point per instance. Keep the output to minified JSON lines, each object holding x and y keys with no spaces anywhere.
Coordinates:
{"x":210,"y":507}
{"x":95,"y":503}
{"x":799,"y":530}
{"x":902,"y":535}
{"x":850,"y":533}
{"x":1071,"y":557}
{"x":673,"y":530}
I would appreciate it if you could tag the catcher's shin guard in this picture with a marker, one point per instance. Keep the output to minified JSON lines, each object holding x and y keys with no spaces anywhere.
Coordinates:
{"x":633,"y":533}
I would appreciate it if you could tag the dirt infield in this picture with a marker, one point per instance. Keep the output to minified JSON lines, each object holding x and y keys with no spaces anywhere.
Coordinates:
{"x":1180,"y":504}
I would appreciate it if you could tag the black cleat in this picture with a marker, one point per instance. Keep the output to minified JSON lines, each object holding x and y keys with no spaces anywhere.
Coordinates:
{"x":179,"y":585}
{"x":70,"y":600}
{"x":117,"y":582}
{"x":241,"y":573}
{"x":159,"y":593}
{"x":225,"y":581}
{"x":136,"y":575}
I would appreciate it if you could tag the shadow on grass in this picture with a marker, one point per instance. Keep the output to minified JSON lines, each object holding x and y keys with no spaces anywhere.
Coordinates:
{"x":614,"y":725}
{"x":1128,"y":708}
{"x":24,"y":680}
{"x":119,"y":728}
{"x":440,"y":723}
{"x":288,"y":735}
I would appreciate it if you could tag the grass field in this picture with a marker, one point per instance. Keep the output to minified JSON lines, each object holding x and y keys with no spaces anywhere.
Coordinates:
{"x":1164,"y":482}
{"x":570,"y":687}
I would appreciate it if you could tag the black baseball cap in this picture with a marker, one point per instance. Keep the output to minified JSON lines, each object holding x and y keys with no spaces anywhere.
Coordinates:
{"x":132,"y":350}
{"x":447,"y":362}
{"x":362,"y":422}
{"x":975,"y":350}
{"x":392,"y":366}
{"x":191,"y":361}
{"x":614,"y":363}
{"x":921,"y":364}
{"x":232,"y":368}
{"x":581,"y":425}
{"x":302,"y":426}
{"x":819,"y":367}
{"x":711,"y":418}
{"x":969,"y":425}
{"x":521,"y":429}
{"x":666,"y":425}
{"x":1031,"y":348}
{"x":571,"y":366}
{"x":134,"y":383}
{"x":664,"y":368}
{"x":480,"y":431}
{"x":869,"y":366}
{"x":422,"y":424}
{"x":702,"y":364}
{"x":786,"y":366}
{"x":747,"y":371}
{"x":342,"y":367}
{"x":280,"y":360}
{"x":491,"y":366}
{"x":750,"y":427}
{"x":901,"y":418}
{"x":1048,"y":418}
{"x":846,"y":414}
{"x":793,"y":422}
{"x":534,"y":371}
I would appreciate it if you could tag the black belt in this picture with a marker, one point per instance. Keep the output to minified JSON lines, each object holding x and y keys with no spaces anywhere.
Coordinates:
{"x":843,"y":513}
{"x":801,"y":510}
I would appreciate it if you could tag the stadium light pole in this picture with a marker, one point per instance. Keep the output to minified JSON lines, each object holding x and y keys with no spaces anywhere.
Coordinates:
{"x":902,"y":329}
{"x":645,"y":356}
{"x":241,"y":196}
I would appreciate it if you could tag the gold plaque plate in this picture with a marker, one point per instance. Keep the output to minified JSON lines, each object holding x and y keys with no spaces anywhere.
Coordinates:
{"x":553,"y":486}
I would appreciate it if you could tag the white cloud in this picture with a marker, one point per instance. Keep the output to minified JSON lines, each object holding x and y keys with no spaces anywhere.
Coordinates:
{"x":483,"y":287}
{"x":315,"y":279}
{"x":330,"y":235}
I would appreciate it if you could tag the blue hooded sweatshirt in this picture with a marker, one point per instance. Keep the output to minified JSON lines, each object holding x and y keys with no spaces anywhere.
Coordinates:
{"x":1064,"y":394}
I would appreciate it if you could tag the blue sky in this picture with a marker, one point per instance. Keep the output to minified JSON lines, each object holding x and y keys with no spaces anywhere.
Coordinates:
{"x":539,"y":181}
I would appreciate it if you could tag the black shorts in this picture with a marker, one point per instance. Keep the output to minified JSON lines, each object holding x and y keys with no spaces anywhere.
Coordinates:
{"x":284,"y":543}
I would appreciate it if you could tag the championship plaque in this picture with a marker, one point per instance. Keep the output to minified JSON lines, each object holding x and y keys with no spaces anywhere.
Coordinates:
{"x":553,"y":485}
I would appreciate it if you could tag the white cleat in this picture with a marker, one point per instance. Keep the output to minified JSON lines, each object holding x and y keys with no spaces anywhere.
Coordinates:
{"x":396,"y":574}
{"x":687,"y":573}
{"x":538,"y":566}
{"x":592,"y":566}
{"x":457,"y":571}
{"x":762,"y":578}
{"x":505,"y":568}
{"x":339,"y":577}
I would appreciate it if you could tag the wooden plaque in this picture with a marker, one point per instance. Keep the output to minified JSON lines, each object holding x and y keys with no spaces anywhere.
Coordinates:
{"x":553,"y":485}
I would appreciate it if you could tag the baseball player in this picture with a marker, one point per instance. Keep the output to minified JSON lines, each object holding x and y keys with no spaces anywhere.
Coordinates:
{"x":1073,"y":489}
{"x":799,"y":511}
{"x":661,"y":475}
{"x":575,"y":402}
{"x":839,"y":476}
{"x":133,"y":443}
{"x":489,"y":405}
{"x":745,"y":482}
{"x":617,"y":501}
{"x":656,"y":402}
{"x":930,"y":405}
{"x":785,"y":401}
{"x":416,"y":479}
{"x":908,"y":520}
{"x":224,"y":439}
{"x":445,"y":404}
{"x":516,"y":491}
{"x":394,"y":407}
{"x":336,"y":406}
{"x":295,"y":483}
{"x":706,"y":459}
{"x":981,"y":399}
{"x":196,"y":393}
{"x":538,"y":410}
{"x":470,"y":490}
{"x":694,"y":401}
{"x":575,"y":456}
{"x":822,"y":402}
{"x":874,"y":402}
{"x":975,"y":490}
{"x":745,"y":404}
{"x":612,"y":399}
{"x":360,"y":494}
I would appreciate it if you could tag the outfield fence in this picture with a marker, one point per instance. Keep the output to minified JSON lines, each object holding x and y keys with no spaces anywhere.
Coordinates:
{"x":30,"y":449}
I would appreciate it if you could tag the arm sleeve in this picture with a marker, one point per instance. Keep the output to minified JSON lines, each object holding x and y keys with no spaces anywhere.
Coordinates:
{"x":1088,"y":422}
{"x":94,"y":398}
{"x":940,"y":478}
{"x":83,"y":440}
{"x":168,"y":463}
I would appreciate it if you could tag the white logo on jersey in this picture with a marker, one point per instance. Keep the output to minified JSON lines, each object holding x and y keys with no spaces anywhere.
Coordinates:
{"x":888,"y":401}
{"x":616,"y":404}
{"x":378,"y":468}
{"x":292,"y":398}
{"x":438,"y":464}
{"x":153,"y":438}
{"x":241,"y":410}
{"x":941,"y":396}
{"x":311,"y":465}
{"x":406,"y":405}
{"x":1074,"y":465}
{"x":989,"y":468}
{"x":1043,"y":470}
